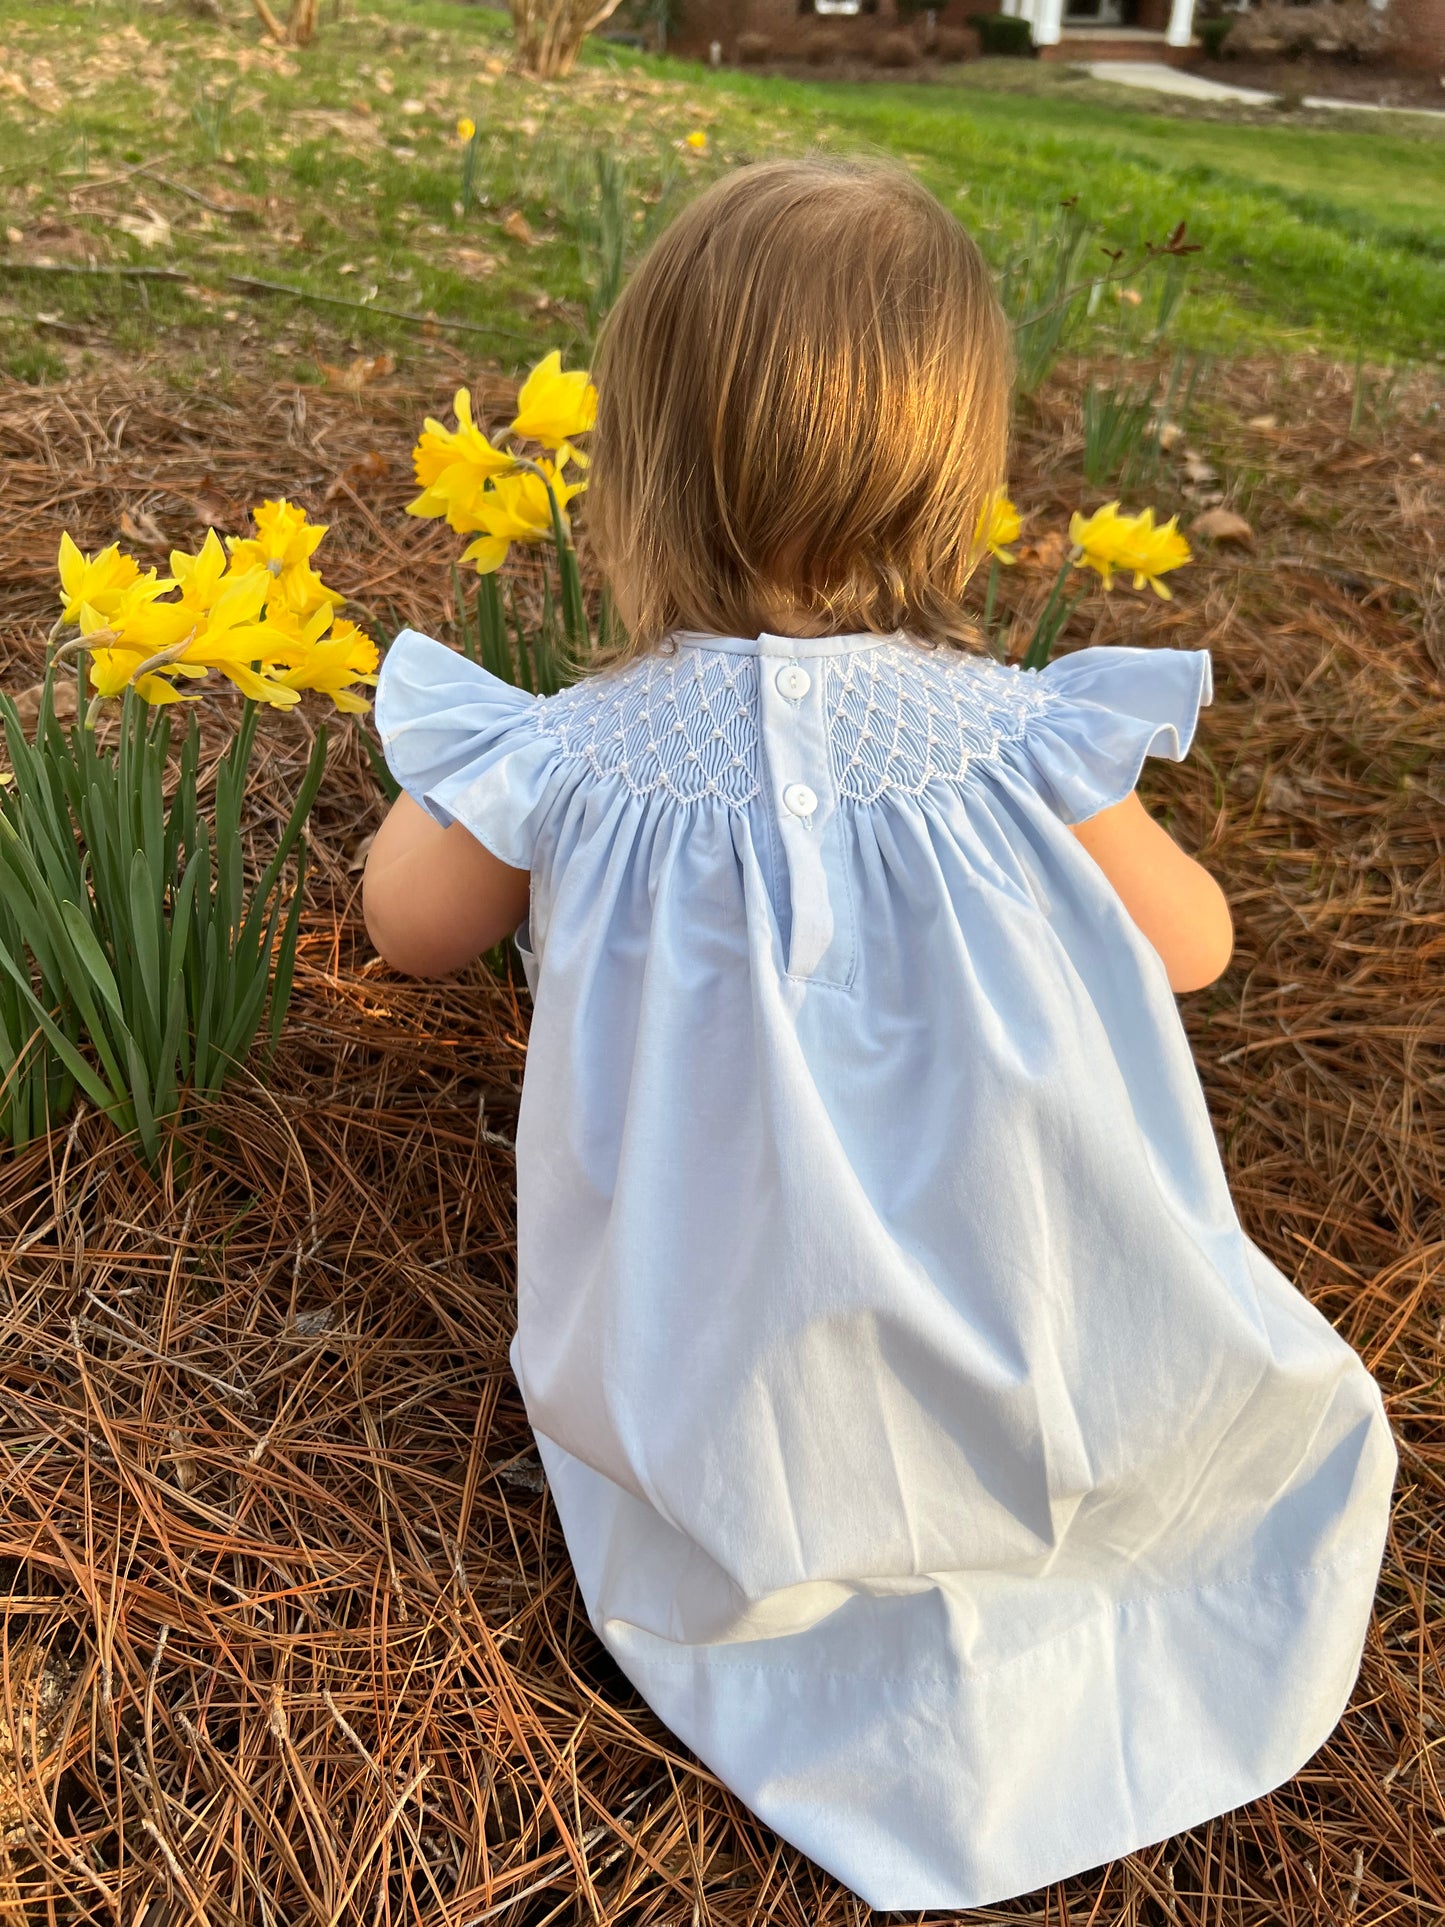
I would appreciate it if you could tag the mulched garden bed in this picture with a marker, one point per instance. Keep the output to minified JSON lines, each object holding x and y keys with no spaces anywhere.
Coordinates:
{"x":1374,"y":83}
{"x":290,"y":1634}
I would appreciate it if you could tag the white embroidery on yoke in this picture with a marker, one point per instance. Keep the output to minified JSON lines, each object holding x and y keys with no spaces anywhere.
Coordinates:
{"x":899,"y":718}
{"x":685,"y":724}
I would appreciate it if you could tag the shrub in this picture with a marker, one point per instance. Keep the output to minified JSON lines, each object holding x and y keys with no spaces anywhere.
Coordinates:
{"x":1000,"y":33}
{"x":895,"y":50}
{"x":1213,"y":34}
{"x":547,"y":35}
{"x":754,"y":48}
{"x":1342,"y":29}
{"x":821,"y":47}
{"x":956,"y":43}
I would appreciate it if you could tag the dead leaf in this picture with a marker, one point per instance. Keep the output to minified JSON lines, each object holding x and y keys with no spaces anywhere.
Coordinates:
{"x":473,"y":261}
{"x":27,"y":702}
{"x":1047,"y":553}
{"x":208,"y":505}
{"x":370,"y":467}
{"x":1170,"y":435}
{"x":149,"y":227}
{"x":360,"y":373}
{"x":516,"y":225}
{"x":1350,"y":464}
{"x":1279,"y":792}
{"x":143,"y":528}
{"x":1263,"y":421}
{"x":1222,"y":525}
{"x":357,"y":860}
{"x":1197,"y":470}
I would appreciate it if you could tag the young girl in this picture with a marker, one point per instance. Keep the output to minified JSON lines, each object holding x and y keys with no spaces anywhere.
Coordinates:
{"x":936,"y":1454}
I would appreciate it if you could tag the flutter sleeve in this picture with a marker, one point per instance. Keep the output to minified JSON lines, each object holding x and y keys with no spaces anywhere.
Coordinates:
{"x":466,"y":746}
{"x":1107,"y":710}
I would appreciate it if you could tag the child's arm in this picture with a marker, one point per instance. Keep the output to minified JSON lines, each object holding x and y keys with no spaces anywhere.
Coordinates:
{"x":434,"y":899}
{"x":1174,"y":900}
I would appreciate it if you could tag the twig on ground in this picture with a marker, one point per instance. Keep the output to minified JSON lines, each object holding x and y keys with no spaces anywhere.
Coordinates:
{"x":251,"y":284}
{"x":161,"y":180}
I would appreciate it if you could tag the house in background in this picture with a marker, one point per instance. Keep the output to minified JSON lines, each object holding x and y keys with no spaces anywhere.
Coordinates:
{"x":1062,"y":29}
{"x":1110,"y":29}
{"x":1073,"y":30}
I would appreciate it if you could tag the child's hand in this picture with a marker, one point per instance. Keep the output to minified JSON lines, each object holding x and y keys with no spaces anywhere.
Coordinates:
{"x":434,"y":899}
{"x":1174,"y":900}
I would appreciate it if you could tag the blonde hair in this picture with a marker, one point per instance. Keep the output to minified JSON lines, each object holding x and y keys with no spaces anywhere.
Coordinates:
{"x":804,"y":400}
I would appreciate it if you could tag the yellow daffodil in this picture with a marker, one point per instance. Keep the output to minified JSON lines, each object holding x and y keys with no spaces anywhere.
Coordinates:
{"x":998,"y":524}
{"x":1101,"y":539}
{"x":553,"y":407}
{"x":1155,"y":552}
{"x":258,"y":616}
{"x":517,"y":508}
{"x":288,"y":636}
{"x":112,"y":671}
{"x":696,"y":140}
{"x":466,"y":128}
{"x":200,"y":575}
{"x":284,"y":544}
{"x":348,"y":655}
{"x":283,"y":539}
{"x":99,"y":580}
{"x":453,"y":467}
{"x":138,"y":617}
{"x":130,"y":644}
{"x":1108,"y":541}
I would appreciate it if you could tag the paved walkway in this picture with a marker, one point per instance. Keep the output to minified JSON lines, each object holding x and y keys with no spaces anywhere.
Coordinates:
{"x":1160,"y":79}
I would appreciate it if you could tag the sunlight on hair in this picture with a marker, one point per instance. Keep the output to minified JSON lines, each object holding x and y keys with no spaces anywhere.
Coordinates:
{"x":804,"y":400}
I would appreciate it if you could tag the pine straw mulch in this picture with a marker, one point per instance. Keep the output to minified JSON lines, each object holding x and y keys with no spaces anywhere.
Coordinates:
{"x":290,"y":1632}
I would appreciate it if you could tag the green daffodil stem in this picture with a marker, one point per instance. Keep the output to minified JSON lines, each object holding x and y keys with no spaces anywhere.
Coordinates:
{"x":990,"y":597}
{"x":1053,"y":615}
{"x":574,"y":614}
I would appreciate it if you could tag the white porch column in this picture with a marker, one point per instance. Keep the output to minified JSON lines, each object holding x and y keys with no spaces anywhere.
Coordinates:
{"x":1048,"y":19}
{"x":1181,"y":23}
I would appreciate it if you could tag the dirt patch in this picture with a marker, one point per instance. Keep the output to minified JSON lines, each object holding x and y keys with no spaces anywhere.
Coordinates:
{"x":275,"y":1529}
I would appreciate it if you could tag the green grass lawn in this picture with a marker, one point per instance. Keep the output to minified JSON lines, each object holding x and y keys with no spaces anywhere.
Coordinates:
{"x":134,"y":133}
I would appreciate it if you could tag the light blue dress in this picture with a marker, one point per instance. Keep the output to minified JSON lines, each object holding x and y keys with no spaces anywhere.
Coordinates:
{"x":937,"y":1455}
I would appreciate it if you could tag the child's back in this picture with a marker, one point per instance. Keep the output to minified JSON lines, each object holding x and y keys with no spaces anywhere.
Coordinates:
{"x":935,"y":1452}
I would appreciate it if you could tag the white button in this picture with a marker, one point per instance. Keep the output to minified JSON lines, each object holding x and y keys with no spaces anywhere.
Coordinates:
{"x":798,"y":798}
{"x":794,"y":682}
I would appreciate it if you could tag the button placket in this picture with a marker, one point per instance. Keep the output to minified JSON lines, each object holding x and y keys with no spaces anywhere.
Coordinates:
{"x":793,"y":723}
